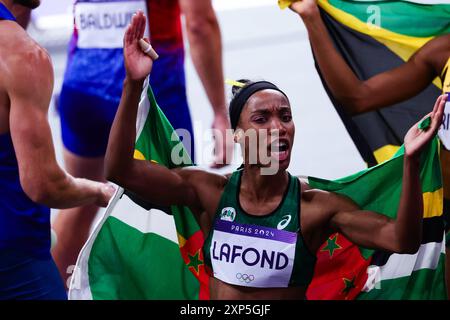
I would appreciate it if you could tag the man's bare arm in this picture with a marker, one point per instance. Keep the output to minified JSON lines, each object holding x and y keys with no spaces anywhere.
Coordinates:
{"x":29,"y":89}
{"x":206,"y":50}
{"x":356,"y":95}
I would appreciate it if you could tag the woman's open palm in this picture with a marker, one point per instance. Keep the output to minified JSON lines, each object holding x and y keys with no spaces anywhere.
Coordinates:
{"x":137,"y":64}
{"x":417,"y":138}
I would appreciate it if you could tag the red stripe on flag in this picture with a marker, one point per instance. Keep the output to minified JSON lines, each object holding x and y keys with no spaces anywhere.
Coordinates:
{"x":193,"y":257}
{"x":340,"y":272}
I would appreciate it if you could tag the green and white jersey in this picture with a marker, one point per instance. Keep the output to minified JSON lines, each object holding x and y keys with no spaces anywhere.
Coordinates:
{"x":258,"y":251}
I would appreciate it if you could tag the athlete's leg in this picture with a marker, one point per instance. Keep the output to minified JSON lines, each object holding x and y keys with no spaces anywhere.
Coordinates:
{"x":85,"y":124}
{"x":72,"y":226}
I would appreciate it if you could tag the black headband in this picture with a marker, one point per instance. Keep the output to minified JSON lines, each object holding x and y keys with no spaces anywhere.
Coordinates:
{"x":239,"y":100}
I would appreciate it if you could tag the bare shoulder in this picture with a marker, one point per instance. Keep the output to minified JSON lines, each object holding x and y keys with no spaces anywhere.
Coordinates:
{"x":438,"y":44}
{"x":327,"y":202}
{"x":435,"y":53}
{"x":208,"y":187}
{"x":303,"y":183}
{"x":26,"y":65}
{"x":319,"y":209}
{"x":202,"y":178}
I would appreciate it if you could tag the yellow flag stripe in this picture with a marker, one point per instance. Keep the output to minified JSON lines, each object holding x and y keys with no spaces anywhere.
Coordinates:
{"x":385,"y":153}
{"x":402,"y":45}
{"x":380,"y":34}
{"x":181,"y":240}
{"x":433,"y":203}
{"x":138,"y":155}
{"x":283,"y":4}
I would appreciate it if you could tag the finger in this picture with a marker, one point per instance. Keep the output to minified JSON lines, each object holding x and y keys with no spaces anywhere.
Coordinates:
{"x":140,"y":23}
{"x":127,"y":36}
{"x":135,"y":26}
{"x":439,"y":107}
{"x":438,"y":113}
{"x":436,"y":104}
{"x":137,"y":17}
{"x":143,"y":24}
{"x":130,"y":31}
{"x":440,"y":110}
{"x":293,"y":7}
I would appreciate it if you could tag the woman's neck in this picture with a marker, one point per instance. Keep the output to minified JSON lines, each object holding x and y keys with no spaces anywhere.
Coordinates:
{"x":262,"y":187}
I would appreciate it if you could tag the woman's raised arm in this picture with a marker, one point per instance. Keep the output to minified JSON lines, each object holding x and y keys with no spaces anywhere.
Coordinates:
{"x":153,"y":182}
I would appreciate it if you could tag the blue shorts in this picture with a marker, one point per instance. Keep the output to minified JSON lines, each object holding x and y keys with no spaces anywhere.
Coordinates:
{"x":29,"y":278}
{"x":86,"y":118}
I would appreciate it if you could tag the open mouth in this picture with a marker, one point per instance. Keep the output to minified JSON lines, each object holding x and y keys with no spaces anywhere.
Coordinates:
{"x":279,"y":149}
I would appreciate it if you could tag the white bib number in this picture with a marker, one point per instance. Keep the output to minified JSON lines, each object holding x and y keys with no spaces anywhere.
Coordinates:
{"x":103,"y":24}
{"x":252,"y":256}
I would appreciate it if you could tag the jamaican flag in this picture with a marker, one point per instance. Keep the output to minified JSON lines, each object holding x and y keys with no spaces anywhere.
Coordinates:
{"x":374,"y":36}
{"x":138,"y":251}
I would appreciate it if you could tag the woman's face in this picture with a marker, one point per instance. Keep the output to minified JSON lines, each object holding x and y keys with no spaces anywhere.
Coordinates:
{"x":267,"y":130}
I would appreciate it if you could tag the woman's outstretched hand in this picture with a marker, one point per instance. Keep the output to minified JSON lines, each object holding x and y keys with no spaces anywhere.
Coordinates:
{"x":416,"y":138}
{"x":137,"y":64}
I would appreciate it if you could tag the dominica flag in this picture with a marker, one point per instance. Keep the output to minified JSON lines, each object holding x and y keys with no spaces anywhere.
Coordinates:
{"x":345,"y":271}
{"x":140,"y":253}
{"x":137,"y":251}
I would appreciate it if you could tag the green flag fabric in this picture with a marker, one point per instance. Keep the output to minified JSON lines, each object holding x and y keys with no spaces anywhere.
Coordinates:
{"x":388,"y":275}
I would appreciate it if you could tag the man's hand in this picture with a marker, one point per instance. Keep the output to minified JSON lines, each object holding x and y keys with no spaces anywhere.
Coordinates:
{"x":137,"y":64}
{"x":223,"y":141}
{"x":305,"y":8}
{"x":417,"y":138}
{"x":105,"y":193}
